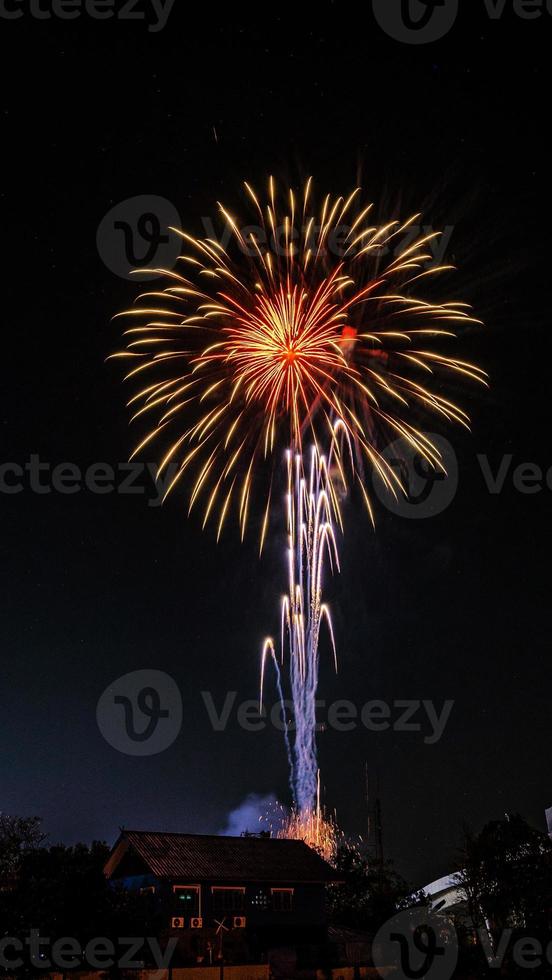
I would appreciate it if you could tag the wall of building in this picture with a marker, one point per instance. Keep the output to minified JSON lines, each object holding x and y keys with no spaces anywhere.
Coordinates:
{"x":308,"y":906}
{"x":248,"y":972}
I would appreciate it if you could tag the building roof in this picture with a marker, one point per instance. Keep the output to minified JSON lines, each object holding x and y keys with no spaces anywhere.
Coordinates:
{"x":446,"y":893}
{"x":198,"y":857}
{"x":443,"y":884}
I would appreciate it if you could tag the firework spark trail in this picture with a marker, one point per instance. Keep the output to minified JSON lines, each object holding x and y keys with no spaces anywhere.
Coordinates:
{"x":312,"y":508}
{"x":269,"y":651}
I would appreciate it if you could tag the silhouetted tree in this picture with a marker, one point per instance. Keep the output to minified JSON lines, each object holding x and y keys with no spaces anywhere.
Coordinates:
{"x":62,"y":891}
{"x":18,"y":835}
{"x":506,"y":874}
{"x":370,"y":893}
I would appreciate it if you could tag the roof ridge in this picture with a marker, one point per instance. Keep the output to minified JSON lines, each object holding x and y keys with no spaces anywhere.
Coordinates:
{"x":181,"y":833}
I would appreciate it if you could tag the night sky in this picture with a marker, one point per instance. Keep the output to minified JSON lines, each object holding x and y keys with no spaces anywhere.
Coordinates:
{"x":95,"y":586}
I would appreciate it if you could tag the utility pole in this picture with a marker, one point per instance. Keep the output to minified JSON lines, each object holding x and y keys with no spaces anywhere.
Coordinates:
{"x":374,"y":821}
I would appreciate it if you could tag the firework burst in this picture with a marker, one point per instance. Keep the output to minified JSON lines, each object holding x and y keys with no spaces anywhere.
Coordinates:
{"x":315,"y":826}
{"x":307,"y":327}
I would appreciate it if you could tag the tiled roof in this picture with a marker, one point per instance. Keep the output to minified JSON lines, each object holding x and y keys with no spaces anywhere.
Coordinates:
{"x":209,"y":857}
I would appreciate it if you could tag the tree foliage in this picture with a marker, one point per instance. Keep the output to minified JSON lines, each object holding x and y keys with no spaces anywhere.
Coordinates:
{"x":370,"y":893}
{"x":506,"y":872}
{"x":62,"y":891}
{"x":18,"y":836}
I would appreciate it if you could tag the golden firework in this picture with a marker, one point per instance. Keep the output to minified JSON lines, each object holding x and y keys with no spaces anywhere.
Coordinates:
{"x":314,"y":825}
{"x":301,"y":328}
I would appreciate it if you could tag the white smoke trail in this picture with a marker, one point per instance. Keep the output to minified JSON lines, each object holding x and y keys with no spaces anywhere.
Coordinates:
{"x":249,"y":813}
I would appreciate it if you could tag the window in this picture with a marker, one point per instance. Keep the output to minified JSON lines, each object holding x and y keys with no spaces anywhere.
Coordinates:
{"x":282,"y":899}
{"x":228,"y":899}
{"x":259,"y":899}
{"x":148,"y":890}
{"x":186,"y":900}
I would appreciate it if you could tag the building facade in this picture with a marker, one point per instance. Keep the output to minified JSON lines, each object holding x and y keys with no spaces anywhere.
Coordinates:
{"x":230,"y":898}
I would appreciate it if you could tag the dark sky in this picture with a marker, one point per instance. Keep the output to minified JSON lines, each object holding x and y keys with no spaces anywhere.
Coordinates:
{"x":95,"y":586}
